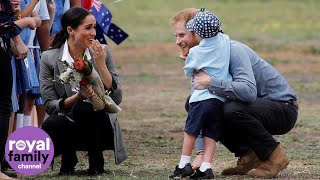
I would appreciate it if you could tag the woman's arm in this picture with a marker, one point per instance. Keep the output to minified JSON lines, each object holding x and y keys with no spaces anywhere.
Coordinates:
{"x":105,"y":63}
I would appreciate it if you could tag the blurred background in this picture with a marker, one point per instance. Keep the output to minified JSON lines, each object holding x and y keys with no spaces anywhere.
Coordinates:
{"x":284,"y":32}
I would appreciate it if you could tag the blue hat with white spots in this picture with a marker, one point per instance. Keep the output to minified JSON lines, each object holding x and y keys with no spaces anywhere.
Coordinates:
{"x":205,"y":24}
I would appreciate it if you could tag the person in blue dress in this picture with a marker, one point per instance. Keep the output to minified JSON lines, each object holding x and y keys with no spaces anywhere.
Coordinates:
{"x":10,"y":28}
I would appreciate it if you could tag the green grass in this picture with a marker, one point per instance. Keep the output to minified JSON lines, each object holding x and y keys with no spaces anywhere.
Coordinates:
{"x":247,"y":20}
{"x":155,"y":88}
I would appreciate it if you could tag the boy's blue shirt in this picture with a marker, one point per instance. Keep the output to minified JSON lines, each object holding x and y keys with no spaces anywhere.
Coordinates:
{"x":212,"y":56}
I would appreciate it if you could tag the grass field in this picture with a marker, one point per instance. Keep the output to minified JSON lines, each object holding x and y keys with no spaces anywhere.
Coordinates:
{"x":285,"y":33}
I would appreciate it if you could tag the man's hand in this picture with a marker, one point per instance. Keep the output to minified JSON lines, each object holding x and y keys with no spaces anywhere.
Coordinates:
{"x":201,"y":80}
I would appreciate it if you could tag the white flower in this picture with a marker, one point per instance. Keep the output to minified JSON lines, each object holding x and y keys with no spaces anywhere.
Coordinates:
{"x":77,"y":76}
{"x":65,"y":76}
{"x":71,"y":76}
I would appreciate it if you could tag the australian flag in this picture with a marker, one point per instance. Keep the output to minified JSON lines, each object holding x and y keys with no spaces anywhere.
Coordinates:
{"x":116,"y":34}
{"x":104,"y":26}
{"x":100,"y":35}
{"x":102,"y":15}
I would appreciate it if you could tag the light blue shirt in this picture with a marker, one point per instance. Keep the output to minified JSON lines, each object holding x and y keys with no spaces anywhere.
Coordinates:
{"x":252,"y":77}
{"x":212,"y":56}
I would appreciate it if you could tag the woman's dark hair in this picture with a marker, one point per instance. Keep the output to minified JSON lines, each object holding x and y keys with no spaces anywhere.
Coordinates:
{"x":73,"y":18}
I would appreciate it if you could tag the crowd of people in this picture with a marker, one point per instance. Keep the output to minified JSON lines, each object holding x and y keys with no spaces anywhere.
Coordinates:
{"x":237,"y":97}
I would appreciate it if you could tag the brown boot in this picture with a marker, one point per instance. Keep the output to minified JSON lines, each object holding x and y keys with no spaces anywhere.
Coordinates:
{"x":271,"y":167}
{"x":244,"y":164}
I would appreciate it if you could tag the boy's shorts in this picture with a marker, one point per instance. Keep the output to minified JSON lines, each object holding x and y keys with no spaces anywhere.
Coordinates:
{"x":206,"y":117}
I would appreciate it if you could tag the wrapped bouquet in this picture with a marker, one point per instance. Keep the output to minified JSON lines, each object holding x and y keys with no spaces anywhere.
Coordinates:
{"x":80,"y":74}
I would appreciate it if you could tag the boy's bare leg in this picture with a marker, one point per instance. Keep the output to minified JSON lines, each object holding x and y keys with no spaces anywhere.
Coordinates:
{"x":184,"y":168}
{"x":209,"y":149}
{"x":188,"y":144}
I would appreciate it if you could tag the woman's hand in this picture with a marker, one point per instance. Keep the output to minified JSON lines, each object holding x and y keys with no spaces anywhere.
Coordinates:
{"x":99,"y":52}
{"x":86,"y":92}
{"x":201,"y":80}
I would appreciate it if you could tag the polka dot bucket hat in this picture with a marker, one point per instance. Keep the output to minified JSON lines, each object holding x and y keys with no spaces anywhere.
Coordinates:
{"x":205,"y":24}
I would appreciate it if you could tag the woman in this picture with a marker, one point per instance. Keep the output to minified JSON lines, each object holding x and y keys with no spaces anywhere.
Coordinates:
{"x":72,"y":123}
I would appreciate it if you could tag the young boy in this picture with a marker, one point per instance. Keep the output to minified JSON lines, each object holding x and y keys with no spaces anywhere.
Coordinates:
{"x":205,"y":113}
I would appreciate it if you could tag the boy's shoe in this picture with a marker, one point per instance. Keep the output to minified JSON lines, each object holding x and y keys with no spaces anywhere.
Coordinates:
{"x":208,"y":174}
{"x":184,"y":172}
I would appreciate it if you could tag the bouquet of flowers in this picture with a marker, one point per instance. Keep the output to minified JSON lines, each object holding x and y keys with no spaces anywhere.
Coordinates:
{"x":80,"y":74}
